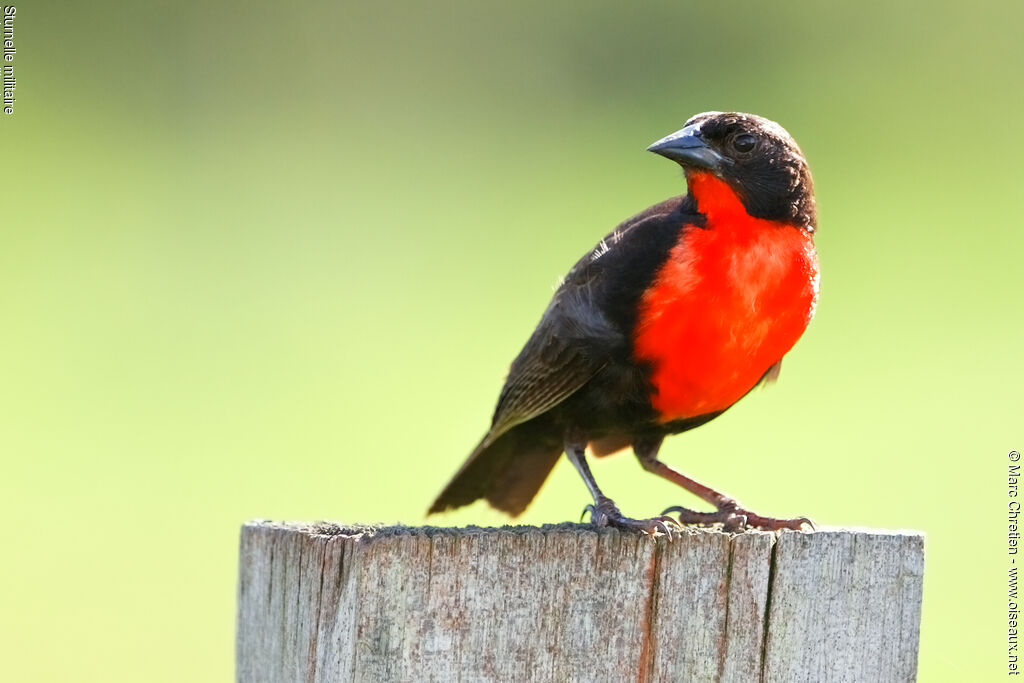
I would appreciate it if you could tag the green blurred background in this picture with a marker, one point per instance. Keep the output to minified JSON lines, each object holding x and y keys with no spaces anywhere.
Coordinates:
{"x":260,"y":260}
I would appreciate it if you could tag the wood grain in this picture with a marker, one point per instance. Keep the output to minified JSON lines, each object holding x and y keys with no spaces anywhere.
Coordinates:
{"x":322,"y":602}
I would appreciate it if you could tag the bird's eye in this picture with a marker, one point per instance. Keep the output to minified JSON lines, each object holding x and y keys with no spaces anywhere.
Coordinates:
{"x":744,"y":143}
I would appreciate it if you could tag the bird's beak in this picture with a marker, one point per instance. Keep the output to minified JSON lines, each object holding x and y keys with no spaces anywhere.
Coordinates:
{"x":688,"y":148}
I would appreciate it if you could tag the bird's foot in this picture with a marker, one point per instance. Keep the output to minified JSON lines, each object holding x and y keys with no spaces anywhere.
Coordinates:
{"x":733,"y":517}
{"x":606,"y":513}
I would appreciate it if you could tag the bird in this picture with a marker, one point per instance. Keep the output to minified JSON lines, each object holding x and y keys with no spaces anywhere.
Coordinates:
{"x":668,"y":321}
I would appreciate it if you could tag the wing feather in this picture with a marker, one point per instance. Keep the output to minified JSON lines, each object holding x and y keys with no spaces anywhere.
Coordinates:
{"x":575,"y":338}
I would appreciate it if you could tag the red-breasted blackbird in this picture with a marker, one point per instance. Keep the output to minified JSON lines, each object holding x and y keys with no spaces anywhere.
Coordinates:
{"x":672,"y":318}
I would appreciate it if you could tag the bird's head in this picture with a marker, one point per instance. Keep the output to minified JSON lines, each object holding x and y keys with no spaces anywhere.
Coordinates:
{"x":754,"y":156}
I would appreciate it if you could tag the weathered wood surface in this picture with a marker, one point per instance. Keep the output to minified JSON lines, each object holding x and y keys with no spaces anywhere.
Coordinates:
{"x":320,"y":602}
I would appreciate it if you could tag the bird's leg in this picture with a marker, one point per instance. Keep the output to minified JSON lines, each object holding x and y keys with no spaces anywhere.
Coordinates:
{"x":728,"y":511}
{"x":604,"y":511}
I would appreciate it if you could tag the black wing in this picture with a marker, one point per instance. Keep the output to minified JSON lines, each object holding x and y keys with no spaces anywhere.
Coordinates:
{"x":581,"y":330}
{"x":585,"y":328}
{"x":559,"y":358}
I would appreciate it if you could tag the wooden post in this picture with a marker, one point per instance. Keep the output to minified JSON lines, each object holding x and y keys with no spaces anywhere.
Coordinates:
{"x":326,"y":603}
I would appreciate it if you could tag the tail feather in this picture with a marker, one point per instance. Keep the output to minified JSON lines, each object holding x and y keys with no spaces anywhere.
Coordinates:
{"x":506,"y":471}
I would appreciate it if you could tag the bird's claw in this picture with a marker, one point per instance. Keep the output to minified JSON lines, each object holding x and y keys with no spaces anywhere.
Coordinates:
{"x":586,"y":509}
{"x":734,"y":518}
{"x":606,"y":513}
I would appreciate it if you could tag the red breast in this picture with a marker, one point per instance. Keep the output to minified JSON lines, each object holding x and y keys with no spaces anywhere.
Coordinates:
{"x":729,"y":302}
